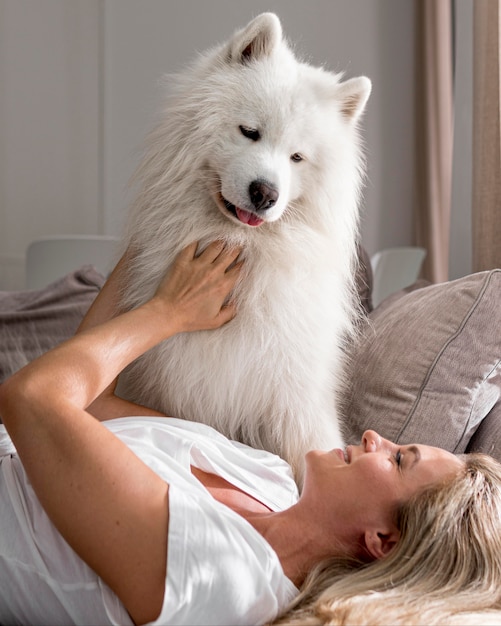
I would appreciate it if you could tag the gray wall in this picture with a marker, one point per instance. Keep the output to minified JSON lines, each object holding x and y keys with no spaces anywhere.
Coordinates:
{"x":79,"y":88}
{"x":49,"y":125}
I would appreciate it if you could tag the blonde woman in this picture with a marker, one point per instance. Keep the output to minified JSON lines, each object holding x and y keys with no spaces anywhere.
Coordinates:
{"x":444,"y":569}
{"x":108,"y":518}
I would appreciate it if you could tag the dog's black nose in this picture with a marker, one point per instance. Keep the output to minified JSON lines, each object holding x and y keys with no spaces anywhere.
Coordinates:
{"x":262,"y":195}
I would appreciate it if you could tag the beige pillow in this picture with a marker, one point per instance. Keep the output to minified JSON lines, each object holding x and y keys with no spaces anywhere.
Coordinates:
{"x":427,"y":368}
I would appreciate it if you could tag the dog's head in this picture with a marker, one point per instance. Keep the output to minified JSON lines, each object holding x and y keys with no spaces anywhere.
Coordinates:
{"x":275,"y":127}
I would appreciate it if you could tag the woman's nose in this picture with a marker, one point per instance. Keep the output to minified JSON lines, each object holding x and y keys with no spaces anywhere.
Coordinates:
{"x":371,"y":441}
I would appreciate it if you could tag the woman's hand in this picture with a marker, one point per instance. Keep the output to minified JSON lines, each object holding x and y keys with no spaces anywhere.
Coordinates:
{"x":194,"y":293}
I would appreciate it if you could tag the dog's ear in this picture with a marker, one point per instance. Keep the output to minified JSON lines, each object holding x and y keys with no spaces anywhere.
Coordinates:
{"x":353,"y":95}
{"x":258,"y":39}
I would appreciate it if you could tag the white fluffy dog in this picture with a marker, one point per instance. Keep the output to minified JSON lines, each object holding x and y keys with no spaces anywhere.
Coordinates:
{"x":258,"y":149}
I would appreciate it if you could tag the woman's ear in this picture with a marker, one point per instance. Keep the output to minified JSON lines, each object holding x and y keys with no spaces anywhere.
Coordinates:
{"x":379,"y":544}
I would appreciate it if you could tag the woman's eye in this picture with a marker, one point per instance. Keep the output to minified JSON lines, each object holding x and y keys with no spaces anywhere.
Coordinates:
{"x":250,"y":133}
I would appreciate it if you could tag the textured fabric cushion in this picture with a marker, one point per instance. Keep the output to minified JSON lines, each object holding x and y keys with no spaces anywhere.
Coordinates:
{"x":32,"y":322}
{"x":427,"y":368}
{"x":488,"y":436}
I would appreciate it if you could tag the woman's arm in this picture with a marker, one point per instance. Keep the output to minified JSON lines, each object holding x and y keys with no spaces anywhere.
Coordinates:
{"x":105,"y":307}
{"x":106,"y":304}
{"x":109,"y":506}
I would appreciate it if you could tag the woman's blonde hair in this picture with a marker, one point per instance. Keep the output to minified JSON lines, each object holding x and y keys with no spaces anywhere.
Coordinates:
{"x":445,"y":569}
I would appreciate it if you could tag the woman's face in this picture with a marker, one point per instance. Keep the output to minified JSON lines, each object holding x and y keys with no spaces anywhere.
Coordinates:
{"x":364,"y":485}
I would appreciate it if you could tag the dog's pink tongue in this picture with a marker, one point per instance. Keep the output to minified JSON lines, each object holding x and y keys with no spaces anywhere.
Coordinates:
{"x":248,"y":218}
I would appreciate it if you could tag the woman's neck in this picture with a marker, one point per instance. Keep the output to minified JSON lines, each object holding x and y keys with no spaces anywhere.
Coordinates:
{"x":298,"y":542}
{"x":293,"y":534}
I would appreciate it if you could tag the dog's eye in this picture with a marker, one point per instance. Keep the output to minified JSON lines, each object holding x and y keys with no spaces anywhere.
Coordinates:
{"x":296,"y":157}
{"x":250,"y":133}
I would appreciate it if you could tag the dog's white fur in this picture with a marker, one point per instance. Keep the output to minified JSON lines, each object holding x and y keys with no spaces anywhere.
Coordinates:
{"x":270,"y":377}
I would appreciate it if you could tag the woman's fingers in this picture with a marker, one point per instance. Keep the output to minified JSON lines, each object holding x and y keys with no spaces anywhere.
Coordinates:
{"x":226,"y":314}
{"x":197,"y":289}
{"x":221,"y":253}
{"x":228,"y":256}
{"x":233,"y":272}
{"x":188,"y":253}
{"x":211,"y":252}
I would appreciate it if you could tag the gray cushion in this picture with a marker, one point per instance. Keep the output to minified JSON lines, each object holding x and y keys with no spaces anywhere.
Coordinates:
{"x":427,"y":368}
{"x":32,"y":322}
{"x":487,"y":438}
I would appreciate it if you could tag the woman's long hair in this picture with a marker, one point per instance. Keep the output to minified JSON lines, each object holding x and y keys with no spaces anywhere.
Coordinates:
{"x":445,"y":569}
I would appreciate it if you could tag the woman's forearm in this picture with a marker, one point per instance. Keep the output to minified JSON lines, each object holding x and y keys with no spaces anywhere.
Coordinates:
{"x":104,"y":308}
{"x":106,"y":305}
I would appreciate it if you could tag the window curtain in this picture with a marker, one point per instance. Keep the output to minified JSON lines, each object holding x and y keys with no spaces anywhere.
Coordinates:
{"x":486,"y":207}
{"x":434,"y":134}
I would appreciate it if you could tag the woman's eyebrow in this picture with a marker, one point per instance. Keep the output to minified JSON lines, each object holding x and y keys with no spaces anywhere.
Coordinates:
{"x":417,"y":455}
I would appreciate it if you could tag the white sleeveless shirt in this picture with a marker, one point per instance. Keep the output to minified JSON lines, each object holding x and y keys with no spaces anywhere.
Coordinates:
{"x":220,"y":570}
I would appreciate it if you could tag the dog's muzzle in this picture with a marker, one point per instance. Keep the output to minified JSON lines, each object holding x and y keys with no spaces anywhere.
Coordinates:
{"x":262,"y":195}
